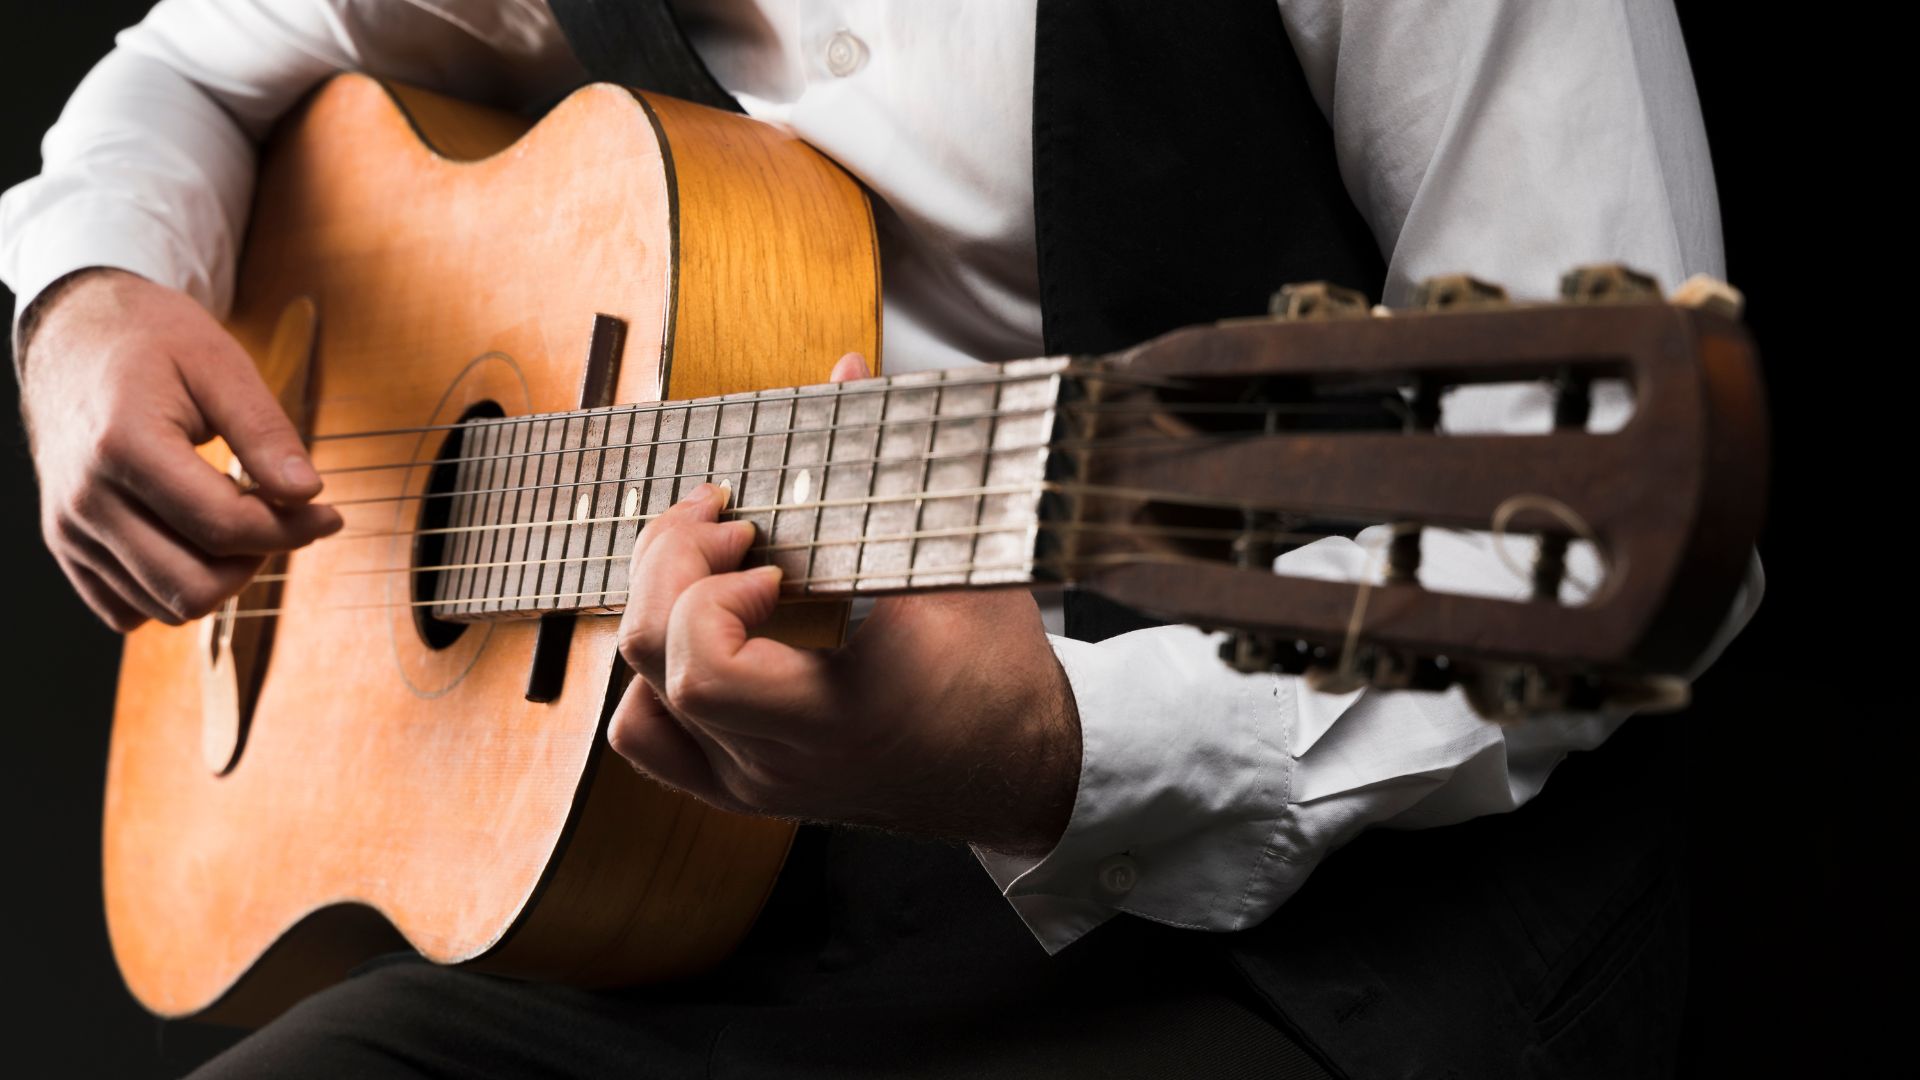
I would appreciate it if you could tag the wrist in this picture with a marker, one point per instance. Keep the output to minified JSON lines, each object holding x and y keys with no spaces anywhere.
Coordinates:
{"x":41,"y":311}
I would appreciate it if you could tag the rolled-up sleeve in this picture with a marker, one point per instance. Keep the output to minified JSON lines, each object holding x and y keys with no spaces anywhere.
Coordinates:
{"x":150,"y":167}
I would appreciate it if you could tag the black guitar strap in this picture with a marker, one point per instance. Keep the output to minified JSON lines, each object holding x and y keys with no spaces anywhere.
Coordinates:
{"x":639,"y":43}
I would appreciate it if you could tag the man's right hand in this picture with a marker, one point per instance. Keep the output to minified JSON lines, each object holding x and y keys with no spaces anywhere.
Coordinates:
{"x":121,"y":380}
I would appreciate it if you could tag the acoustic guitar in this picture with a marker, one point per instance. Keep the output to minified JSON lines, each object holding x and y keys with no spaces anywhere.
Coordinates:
{"x":511,"y":344}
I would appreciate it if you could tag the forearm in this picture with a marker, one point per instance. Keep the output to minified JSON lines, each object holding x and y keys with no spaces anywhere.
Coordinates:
{"x":150,"y":167}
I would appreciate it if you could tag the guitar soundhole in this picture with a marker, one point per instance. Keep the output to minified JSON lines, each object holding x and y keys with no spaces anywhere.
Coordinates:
{"x":431,"y":544}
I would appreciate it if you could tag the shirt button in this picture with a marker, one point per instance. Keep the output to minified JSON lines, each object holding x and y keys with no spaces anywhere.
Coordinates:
{"x":846,"y":54}
{"x":1118,"y":875}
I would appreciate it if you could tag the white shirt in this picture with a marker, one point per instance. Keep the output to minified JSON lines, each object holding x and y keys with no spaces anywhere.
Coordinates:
{"x":1508,"y":138}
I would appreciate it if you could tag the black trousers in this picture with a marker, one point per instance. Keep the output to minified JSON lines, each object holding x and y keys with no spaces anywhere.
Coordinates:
{"x":877,"y":956}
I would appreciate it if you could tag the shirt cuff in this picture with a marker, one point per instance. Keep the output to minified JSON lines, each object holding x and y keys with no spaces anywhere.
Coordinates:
{"x":82,"y":232}
{"x":1185,"y":777}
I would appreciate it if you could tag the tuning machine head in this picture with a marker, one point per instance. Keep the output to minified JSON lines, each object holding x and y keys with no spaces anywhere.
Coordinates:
{"x":1509,"y":693}
{"x":1318,"y":300}
{"x":1607,"y":283}
{"x":1248,"y":654}
{"x":1454,"y":292}
{"x":1708,"y":293}
{"x":1501,"y":692}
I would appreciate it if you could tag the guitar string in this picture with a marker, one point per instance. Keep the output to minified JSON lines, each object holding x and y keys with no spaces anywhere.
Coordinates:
{"x":1302,"y":409}
{"x":1503,"y":515}
{"x":884,"y":385}
{"x":916,"y":459}
{"x":1343,"y":672}
{"x":1133,"y":529}
{"x":1498,"y":530}
{"x":744,"y":469}
{"x":1103,"y":443}
{"x":1029,"y":487}
{"x":904,"y":574}
{"x":1004,"y":489}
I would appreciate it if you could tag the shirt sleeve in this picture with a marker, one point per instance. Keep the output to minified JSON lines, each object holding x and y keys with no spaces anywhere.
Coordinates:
{"x":150,"y":167}
{"x":1510,"y":139}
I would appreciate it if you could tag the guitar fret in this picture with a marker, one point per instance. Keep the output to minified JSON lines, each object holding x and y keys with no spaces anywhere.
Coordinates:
{"x":959,"y":446}
{"x":873,"y":474}
{"x":759,"y":484}
{"x":575,"y":536}
{"x":733,"y":446}
{"x":453,"y":550}
{"x":926,"y":473}
{"x":472,"y":582}
{"x":521,"y":545}
{"x":1026,"y":420}
{"x":549,"y":481}
{"x":519,"y":439}
{"x":606,"y":505}
{"x":779,"y":475}
{"x":796,"y":481}
{"x":826,"y":468}
{"x":843,"y":527}
{"x":703,"y":447}
{"x":547,"y":478}
{"x":986,"y":460}
{"x":620,"y":538}
{"x":487,"y":583}
{"x":905,"y":432}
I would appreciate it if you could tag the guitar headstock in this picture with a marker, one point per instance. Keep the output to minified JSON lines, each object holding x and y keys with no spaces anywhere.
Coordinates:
{"x":1185,"y":466}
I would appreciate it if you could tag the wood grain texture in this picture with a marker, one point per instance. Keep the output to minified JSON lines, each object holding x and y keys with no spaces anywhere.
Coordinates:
{"x":384,"y":776}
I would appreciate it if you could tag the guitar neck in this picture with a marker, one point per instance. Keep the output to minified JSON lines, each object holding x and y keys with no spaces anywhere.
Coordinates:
{"x":919,"y":481}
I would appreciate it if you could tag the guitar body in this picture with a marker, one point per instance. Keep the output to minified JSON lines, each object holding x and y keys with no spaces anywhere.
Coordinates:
{"x":383,"y":792}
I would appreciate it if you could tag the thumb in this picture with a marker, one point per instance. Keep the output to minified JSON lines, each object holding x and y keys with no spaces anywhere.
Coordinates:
{"x":237,"y":405}
{"x":850,"y":367}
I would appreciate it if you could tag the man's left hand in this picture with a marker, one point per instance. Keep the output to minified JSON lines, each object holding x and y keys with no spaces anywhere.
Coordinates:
{"x":945,"y":715}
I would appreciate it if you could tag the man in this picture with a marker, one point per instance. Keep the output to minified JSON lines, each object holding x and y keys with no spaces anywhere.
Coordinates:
{"x":1140,"y":776}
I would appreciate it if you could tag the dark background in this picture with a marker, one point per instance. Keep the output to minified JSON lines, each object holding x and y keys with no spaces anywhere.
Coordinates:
{"x":1767,"y":734}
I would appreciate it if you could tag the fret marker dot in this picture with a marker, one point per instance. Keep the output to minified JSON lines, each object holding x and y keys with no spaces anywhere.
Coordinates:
{"x":631,"y":507}
{"x":583,"y":509}
{"x":802,"y":486}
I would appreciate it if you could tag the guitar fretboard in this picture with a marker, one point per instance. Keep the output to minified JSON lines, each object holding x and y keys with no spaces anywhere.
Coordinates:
{"x":926,"y":480}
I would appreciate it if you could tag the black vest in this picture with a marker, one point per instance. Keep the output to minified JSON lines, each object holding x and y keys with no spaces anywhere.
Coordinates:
{"x":1182,"y":172}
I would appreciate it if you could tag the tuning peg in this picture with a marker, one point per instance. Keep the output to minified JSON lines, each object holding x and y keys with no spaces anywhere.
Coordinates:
{"x":1507,"y":693}
{"x":1607,"y":283}
{"x":1450,"y":291}
{"x":1248,"y":653}
{"x":1317,"y":300}
{"x":1709,"y":293}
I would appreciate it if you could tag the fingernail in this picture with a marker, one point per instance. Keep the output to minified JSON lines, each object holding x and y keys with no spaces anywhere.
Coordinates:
{"x":697,"y":495}
{"x":850,"y":367}
{"x":768,"y":571}
{"x":298,"y":473}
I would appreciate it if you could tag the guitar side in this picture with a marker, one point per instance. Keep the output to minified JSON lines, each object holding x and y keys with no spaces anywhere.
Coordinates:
{"x":454,"y":257}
